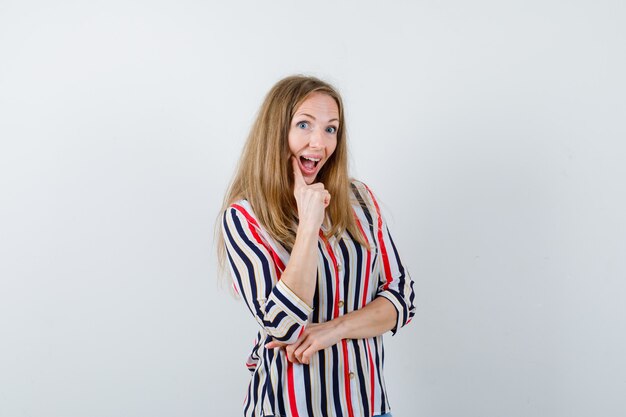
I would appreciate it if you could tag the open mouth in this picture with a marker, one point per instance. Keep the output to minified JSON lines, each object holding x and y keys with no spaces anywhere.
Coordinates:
{"x":309,"y":163}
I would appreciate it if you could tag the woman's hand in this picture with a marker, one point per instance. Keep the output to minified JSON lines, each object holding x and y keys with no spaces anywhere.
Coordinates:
{"x":311,"y":200}
{"x":315,"y":337}
{"x":376,"y":318}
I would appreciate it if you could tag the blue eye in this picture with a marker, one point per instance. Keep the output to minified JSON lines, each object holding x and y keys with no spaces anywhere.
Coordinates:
{"x":303,"y":125}
{"x":331,"y":129}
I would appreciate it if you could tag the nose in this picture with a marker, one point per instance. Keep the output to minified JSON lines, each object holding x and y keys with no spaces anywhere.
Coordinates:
{"x":316,"y":138}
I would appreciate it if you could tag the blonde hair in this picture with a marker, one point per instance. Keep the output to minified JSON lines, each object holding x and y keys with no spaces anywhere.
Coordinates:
{"x":264,"y":175}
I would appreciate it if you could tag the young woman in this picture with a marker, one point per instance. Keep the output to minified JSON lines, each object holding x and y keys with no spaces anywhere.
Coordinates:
{"x":311,"y":255}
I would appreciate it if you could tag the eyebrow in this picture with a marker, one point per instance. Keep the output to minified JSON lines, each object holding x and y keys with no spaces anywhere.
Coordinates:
{"x":312,"y":117}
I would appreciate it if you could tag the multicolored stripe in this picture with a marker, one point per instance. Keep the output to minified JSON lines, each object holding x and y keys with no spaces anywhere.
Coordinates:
{"x":345,"y":379}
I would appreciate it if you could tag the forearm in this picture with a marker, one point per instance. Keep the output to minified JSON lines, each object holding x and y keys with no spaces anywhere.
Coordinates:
{"x":300,"y":273}
{"x":376,"y":318}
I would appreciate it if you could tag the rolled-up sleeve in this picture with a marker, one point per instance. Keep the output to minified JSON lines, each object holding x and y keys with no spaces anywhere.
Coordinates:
{"x":256,"y":270}
{"x":395,"y":283}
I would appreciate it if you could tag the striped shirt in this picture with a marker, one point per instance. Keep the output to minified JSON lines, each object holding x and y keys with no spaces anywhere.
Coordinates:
{"x":345,"y":379}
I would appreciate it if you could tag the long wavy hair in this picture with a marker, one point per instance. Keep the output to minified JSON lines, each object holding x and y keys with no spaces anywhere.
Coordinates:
{"x":264,"y":175}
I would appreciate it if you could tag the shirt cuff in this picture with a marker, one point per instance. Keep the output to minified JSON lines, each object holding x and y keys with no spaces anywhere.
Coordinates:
{"x":290,"y":303}
{"x":400,"y":306}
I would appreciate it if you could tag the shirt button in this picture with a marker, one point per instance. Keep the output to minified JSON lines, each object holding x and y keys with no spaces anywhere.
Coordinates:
{"x":340,"y":267}
{"x":351,"y":375}
{"x":340,"y":303}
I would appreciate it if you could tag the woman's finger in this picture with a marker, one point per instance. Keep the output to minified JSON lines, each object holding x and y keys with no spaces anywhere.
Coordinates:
{"x":317,"y":186}
{"x":298,"y":352}
{"x":274,"y":344}
{"x":306,"y":356}
{"x":297,"y":174}
{"x":291,"y":354}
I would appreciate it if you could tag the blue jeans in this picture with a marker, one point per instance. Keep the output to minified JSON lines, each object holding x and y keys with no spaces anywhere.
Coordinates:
{"x":384,"y":415}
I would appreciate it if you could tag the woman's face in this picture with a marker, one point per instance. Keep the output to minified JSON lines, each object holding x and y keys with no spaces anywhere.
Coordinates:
{"x":313,"y":133}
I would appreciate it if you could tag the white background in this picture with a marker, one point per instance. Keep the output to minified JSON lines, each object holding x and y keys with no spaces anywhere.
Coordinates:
{"x":492,"y":131}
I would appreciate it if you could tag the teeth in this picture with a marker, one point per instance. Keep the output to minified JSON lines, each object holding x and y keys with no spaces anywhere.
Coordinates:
{"x":312,"y":159}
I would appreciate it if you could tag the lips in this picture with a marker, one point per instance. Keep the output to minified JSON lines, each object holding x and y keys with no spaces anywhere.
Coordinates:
{"x":308,"y":164}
